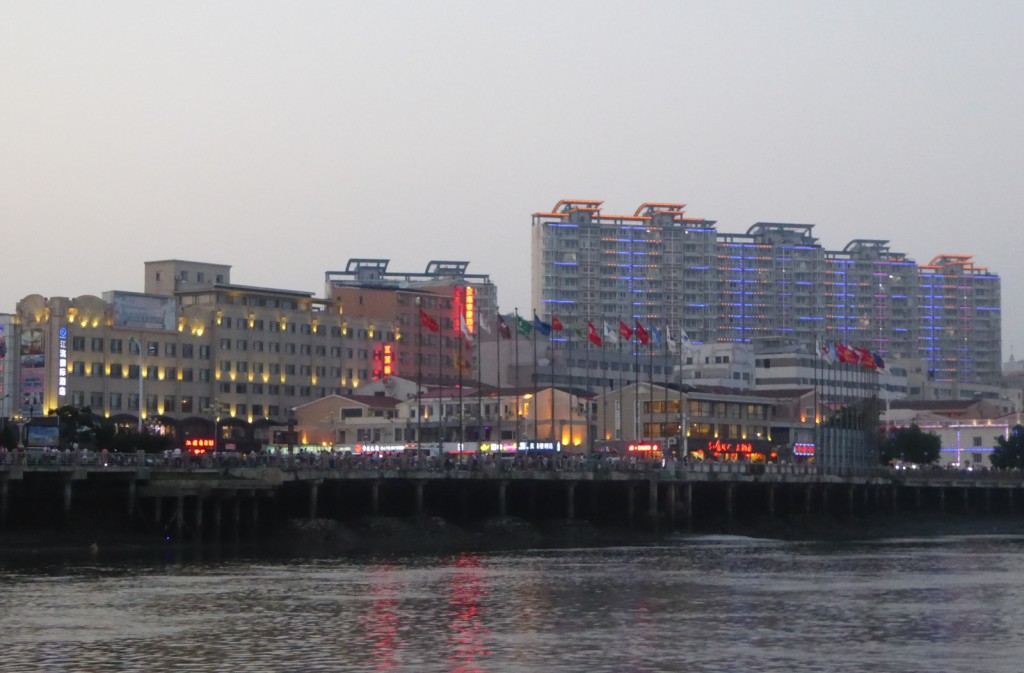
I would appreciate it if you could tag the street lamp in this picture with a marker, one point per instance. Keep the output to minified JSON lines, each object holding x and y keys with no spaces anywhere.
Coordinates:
{"x":138,"y":345}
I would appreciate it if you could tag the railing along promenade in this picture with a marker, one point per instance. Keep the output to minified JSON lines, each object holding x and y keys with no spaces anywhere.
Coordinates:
{"x":301,"y":466}
{"x":171,"y":490}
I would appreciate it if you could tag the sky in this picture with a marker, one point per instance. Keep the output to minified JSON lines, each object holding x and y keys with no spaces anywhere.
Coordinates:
{"x":284,"y":138}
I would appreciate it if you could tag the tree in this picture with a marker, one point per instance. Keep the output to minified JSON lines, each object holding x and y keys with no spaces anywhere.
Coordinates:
{"x":8,"y":435}
{"x":911,"y":445}
{"x":76,"y":425}
{"x":1009,"y":451}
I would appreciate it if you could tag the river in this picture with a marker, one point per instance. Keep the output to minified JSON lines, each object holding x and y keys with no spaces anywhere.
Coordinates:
{"x":691,"y":604}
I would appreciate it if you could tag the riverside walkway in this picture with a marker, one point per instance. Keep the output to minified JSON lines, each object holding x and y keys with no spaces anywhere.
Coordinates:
{"x":190,"y":493}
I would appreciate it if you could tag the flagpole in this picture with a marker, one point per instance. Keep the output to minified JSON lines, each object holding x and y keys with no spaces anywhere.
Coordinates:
{"x":440,"y":384}
{"x":635,"y":345}
{"x":536,"y":389}
{"x":479,"y":392}
{"x":551,"y":358}
{"x":568,"y":350}
{"x":665,"y":382}
{"x":419,"y":379}
{"x":497,"y":352}
{"x":462,"y":422}
{"x":516,"y":373}
{"x":619,"y":426}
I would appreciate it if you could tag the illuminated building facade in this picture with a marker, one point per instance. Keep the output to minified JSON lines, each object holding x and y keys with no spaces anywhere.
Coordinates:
{"x":212,"y":358}
{"x":775,"y":281}
{"x":393,"y":300}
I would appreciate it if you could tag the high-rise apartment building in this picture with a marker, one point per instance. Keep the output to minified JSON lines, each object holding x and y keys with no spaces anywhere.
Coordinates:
{"x":773,"y":281}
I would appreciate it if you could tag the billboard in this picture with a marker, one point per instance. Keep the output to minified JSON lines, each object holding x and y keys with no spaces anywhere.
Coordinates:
{"x":33,"y":370}
{"x":142,"y":311}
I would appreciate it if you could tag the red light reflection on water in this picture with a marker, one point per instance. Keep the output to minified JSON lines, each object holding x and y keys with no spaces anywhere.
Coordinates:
{"x":382,"y":627}
{"x":467,"y":629}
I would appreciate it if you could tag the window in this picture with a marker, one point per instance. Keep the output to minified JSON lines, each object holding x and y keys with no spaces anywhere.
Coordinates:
{"x":170,"y":349}
{"x":169,"y":404}
{"x":78,"y":343}
{"x":186,"y":405}
{"x":96,"y":400}
{"x":204,"y":352}
{"x":225,"y":344}
{"x":242,"y":345}
{"x":115,"y":400}
{"x":186,"y":350}
{"x":97,"y":345}
{"x":204,"y":375}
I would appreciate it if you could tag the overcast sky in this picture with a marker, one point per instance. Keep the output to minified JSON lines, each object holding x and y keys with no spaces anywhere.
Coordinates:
{"x":283,"y":138}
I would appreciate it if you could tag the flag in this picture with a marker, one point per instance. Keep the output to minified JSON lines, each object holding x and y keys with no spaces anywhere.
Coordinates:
{"x":656,"y":337}
{"x":685,"y":339}
{"x":846,"y":354}
{"x":673,"y":345}
{"x":484,"y":326}
{"x":543,"y":328}
{"x":428,"y":322}
{"x":610,"y":335}
{"x":523,"y":326}
{"x":503,"y":328}
{"x":879,"y":362}
{"x":3,"y":348}
{"x":866,"y":359}
{"x":625,"y":331}
{"x":641,"y":334}
{"x":464,"y":326}
{"x":592,"y":334}
{"x":826,"y":352}
{"x":556,"y":324}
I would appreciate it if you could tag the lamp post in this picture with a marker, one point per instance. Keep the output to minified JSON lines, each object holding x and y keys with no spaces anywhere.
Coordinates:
{"x":138,"y":345}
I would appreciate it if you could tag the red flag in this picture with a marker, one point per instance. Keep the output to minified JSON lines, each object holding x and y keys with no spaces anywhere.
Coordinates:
{"x":847,"y":354}
{"x":625,"y":331}
{"x":504,"y":329}
{"x":866,"y":358}
{"x":592,"y":334}
{"x":556,"y":324}
{"x":642,"y":334}
{"x":428,"y":322}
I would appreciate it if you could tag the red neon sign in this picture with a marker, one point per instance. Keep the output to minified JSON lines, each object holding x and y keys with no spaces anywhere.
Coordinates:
{"x":718,"y":446}
{"x":199,"y":446}
{"x":643,"y":448}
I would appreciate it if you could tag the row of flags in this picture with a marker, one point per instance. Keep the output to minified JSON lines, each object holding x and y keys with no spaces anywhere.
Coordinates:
{"x":830,"y":352}
{"x":625,"y":333}
{"x":851,"y":355}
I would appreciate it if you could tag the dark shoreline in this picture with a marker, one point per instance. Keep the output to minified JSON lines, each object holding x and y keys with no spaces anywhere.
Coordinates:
{"x":431,"y":535}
